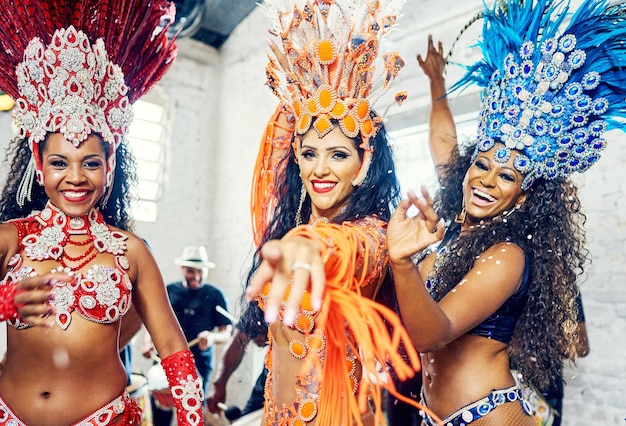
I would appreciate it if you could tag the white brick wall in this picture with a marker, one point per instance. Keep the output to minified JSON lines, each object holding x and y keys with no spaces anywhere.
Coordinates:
{"x":592,"y":394}
{"x":219,"y":106}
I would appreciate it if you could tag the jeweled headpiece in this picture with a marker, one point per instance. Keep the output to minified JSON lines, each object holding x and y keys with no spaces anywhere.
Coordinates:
{"x":71,"y":87}
{"x":75,"y":67}
{"x":332,"y":47}
{"x":552,"y":87}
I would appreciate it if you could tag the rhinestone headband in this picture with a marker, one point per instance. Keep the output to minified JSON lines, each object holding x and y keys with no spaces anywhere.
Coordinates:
{"x":71,"y":87}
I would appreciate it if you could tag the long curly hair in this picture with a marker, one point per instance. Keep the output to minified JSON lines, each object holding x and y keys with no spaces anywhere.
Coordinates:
{"x":116,"y":212}
{"x":549,"y":228}
{"x":379,"y":194}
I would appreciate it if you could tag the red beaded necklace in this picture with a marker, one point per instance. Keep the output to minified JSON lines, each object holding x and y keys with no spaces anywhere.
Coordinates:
{"x":88,"y":255}
{"x":77,"y":226}
{"x":62,"y":231}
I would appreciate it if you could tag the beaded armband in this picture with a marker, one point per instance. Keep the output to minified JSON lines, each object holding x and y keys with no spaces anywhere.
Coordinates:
{"x":185,"y":386}
{"x":8,"y":309}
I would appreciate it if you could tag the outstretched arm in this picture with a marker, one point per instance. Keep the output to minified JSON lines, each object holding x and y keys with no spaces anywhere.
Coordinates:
{"x":290,"y":264}
{"x":298,"y":264}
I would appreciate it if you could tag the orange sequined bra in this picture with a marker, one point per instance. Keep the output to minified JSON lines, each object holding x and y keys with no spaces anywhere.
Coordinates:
{"x":102,"y":294}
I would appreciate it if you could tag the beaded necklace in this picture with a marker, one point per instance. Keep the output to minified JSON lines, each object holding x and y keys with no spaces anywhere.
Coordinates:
{"x":57,"y":232}
{"x":101,"y":294}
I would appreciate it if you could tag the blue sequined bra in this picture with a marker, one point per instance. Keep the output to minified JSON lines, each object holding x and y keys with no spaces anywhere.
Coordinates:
{"x":501,"y":324}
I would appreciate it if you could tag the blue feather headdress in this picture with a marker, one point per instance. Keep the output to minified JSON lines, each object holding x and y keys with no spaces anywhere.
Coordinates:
{"x":551,"y":87}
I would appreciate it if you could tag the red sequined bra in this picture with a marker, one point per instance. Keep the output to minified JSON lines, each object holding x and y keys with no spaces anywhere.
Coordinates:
{"x":100,"y":294}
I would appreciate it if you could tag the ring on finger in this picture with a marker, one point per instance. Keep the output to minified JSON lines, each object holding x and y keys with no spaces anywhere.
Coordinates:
{"x":301,"y":265}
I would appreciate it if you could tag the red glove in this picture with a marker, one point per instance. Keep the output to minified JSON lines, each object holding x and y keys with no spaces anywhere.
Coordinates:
{"x":8,"y":309}
{"x":185,"y":386}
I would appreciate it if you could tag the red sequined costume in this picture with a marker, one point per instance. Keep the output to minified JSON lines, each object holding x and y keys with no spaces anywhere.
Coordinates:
{"x":75,"y":68}
{"x":102,"y":294}
{"x":123,"y":410}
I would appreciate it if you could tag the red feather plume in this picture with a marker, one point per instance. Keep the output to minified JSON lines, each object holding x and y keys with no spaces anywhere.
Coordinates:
{"x":134,"y":33}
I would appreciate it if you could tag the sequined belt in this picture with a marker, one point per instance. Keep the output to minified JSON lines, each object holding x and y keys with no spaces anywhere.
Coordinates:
{"x":123,"y":404}
{"x":480,"y":408}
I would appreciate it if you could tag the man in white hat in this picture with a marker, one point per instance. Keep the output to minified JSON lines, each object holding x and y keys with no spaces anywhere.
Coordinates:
{"x":198,"y":306}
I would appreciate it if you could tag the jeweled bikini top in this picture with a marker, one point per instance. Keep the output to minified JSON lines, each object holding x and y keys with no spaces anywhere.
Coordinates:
{"x":101,"y":294}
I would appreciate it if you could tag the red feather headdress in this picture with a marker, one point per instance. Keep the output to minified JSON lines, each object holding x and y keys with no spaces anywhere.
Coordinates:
{"x":76,"y":66}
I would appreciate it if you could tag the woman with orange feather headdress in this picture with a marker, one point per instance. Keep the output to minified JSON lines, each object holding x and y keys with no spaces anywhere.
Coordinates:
{"x":324,"y":188}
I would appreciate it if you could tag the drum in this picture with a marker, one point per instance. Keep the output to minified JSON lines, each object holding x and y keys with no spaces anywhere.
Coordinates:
{"x":159,"y":388}
{"x":138,"y":390}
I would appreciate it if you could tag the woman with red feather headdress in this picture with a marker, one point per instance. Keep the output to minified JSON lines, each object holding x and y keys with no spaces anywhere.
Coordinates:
{"x":70,"y":267}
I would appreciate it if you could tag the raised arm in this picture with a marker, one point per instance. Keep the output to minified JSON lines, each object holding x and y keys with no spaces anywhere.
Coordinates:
{"x":442,"y":139}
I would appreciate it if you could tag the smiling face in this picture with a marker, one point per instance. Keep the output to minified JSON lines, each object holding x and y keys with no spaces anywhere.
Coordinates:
{"x":74,"y":178}
{"x":327,"y":167}
{"x":193,"y":276}
{"x":490,"y":187}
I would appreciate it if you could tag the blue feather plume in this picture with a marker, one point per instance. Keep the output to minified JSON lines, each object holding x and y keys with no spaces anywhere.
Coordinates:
{"x":553,"y":79}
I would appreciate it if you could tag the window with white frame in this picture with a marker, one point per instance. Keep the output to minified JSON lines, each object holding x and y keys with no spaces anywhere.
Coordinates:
{"x":147,"y":138}
{"x":414,"y":166}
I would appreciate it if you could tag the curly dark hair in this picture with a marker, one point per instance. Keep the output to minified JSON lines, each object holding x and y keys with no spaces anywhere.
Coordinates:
{"x":116,"y":212}
{"x":549,"y":228}
{"x":378,"y":195}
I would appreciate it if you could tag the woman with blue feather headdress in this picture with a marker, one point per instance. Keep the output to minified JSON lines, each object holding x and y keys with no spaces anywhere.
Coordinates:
{"x":500,"y":287}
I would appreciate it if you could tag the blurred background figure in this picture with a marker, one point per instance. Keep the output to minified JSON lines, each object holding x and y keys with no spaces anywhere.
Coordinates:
{"x":250,"y":328}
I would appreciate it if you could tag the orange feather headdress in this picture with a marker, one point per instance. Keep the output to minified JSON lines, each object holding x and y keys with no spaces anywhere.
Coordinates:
{"x":335,"y":74}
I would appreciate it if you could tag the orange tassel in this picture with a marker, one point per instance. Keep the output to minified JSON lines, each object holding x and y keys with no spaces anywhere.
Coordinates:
{"x":355,"y":324}
{"x":268,"y":166}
